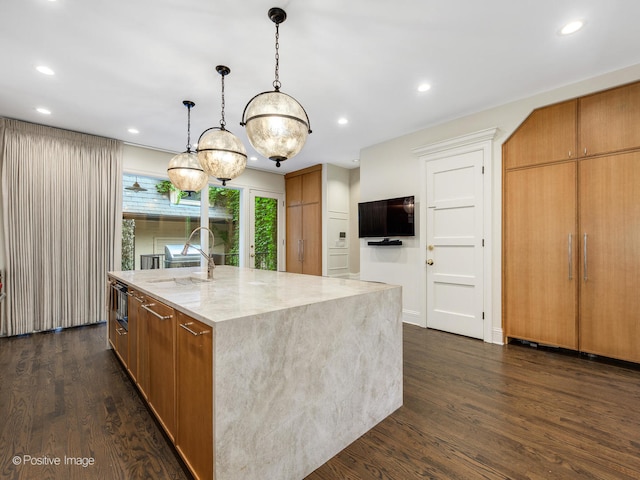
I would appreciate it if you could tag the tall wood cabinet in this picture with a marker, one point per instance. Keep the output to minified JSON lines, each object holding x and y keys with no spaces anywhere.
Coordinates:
{"x":610,"y":256}
{"x":571,"y":225}
{"x":304,"y":220}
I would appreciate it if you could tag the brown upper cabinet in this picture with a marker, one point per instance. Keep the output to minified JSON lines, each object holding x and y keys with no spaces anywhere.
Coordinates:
{"x":610,"y":120}
{"x":556,"y":124}
{"x":304,"y":220}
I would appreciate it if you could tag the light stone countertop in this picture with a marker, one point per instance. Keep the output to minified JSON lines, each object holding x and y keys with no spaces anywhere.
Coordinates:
{"x":239,"y":292}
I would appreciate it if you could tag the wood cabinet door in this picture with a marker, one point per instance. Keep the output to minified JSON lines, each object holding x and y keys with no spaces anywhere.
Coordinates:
{"x":194,"y":437}
{"x":294,"y":239}
{"x":293,"y":190}
{"x":143,"y":351}
{"x":162,"y":373}
{"x":135,"y":300}
{"x":610,"y":260}
{"x":547,"y":135}
{"x":122,"y":345}
{"x":312,"y":187}
{"x":312,"y":239}
{"x":540,"y":255}
{"x":112,"y":315}
{"x":609,"y":120}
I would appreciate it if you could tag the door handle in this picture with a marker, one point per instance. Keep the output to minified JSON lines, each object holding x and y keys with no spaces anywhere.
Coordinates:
{"x":430,"y":261}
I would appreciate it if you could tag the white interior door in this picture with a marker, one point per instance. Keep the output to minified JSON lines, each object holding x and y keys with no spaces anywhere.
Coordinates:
{"x":266,"y":230}
{"x":455,"y":244}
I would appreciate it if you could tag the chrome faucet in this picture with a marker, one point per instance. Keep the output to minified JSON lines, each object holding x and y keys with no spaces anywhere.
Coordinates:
{"x":209,"y":257}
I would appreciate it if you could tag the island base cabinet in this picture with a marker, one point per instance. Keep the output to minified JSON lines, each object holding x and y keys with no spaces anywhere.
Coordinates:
{"x":194,"y":438}
{"x":161,"y":342}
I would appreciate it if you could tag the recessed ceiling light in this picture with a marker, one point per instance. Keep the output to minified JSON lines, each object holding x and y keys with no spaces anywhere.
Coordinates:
{"x":253,"y":159}
{"x":44,"y":69}
{"x":133,"y":130}
{"x":572,"y":27}
{"x":356,"y":160}
{"x":423,"y":87}
{"x":43,"y":111}
{"x":343,"y":121}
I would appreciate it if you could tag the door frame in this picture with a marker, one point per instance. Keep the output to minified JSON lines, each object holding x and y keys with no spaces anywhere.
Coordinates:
{"x":279,"y":196}
{"x":481,"y":140}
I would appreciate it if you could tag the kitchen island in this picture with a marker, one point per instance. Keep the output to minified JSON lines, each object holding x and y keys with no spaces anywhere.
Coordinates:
{"x":300,"y":366}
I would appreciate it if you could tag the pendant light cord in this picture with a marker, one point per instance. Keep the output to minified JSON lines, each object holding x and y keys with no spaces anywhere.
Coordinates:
{"x":189,"y":128}
{"x":276,"y":82}
{"x":222,"y":120}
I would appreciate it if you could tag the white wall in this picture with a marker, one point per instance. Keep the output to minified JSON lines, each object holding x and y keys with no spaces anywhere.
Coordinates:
{"x":335,"y":220}
{"x":391,"y":169}
{"x":354,"y":242}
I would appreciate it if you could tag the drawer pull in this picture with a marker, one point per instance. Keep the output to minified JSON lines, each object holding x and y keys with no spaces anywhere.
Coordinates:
{"x":186,"y":327}
{"x":161,"y":317}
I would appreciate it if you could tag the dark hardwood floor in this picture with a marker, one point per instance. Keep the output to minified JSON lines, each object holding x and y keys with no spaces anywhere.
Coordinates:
{"x":65,"y":394}
{"x":471,"y":411}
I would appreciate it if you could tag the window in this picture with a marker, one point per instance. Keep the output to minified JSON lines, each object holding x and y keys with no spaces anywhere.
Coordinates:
{"x":158,"y":220}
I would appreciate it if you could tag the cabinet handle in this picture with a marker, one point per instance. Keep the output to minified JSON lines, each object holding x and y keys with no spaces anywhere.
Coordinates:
{"x":140,"y":299}
{"x":585,"y":276}
{"x":186,"y":327}
{"x":121,"y":331}
{"x":299,"y":251}
{"x":585,"y":150}
{"x":569,"y":153}
{"x":302,"y":242}
{"x":161,"y":317}
{"x":570,"y":257}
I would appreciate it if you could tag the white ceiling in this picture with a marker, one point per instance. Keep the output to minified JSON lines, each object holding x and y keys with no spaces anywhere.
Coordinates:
{"x":130,"y":63}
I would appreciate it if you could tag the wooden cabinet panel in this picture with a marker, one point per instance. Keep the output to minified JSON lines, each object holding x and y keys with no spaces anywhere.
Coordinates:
{"x":143,"y":351}
{"x":161,"y":367}
{"x":293,"y":188}
{"x":122,"y":345}
{"x":194,"y":438}
{"x":304,"y":221}
{"x":135,"y":300}
{"x":610,"y":217}
{"x":609,"y":120}
{"x":540,"y":277}
{"x":312,"y":187}
{"x":294,"y":239}
{"x":312,"y":239}
{"x":547,"y":135}
{"x":112,"y":315}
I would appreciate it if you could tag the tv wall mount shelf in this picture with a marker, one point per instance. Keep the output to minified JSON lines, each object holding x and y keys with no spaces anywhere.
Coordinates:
{"x":386,"y":243}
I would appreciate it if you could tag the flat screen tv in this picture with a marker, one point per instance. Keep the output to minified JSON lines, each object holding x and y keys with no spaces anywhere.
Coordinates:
{"x":392,"y":217}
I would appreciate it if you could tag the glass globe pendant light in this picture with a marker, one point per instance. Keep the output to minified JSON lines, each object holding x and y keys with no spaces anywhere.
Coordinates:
{"x":184,"y":170}
{"x":276,"y":124}
{"x":220,"y":152}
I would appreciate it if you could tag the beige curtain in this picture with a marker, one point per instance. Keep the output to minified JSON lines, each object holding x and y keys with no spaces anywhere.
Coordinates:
{"x":61,"y":209}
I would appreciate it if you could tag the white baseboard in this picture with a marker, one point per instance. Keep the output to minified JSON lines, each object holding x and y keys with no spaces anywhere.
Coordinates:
{"x":497,"y":336}
{"x":412,"y":317}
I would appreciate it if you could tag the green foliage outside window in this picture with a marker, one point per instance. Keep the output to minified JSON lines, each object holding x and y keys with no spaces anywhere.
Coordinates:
{"x":230,"y":199}
{"x":266,"y":240}
{"x":128,"y":244}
